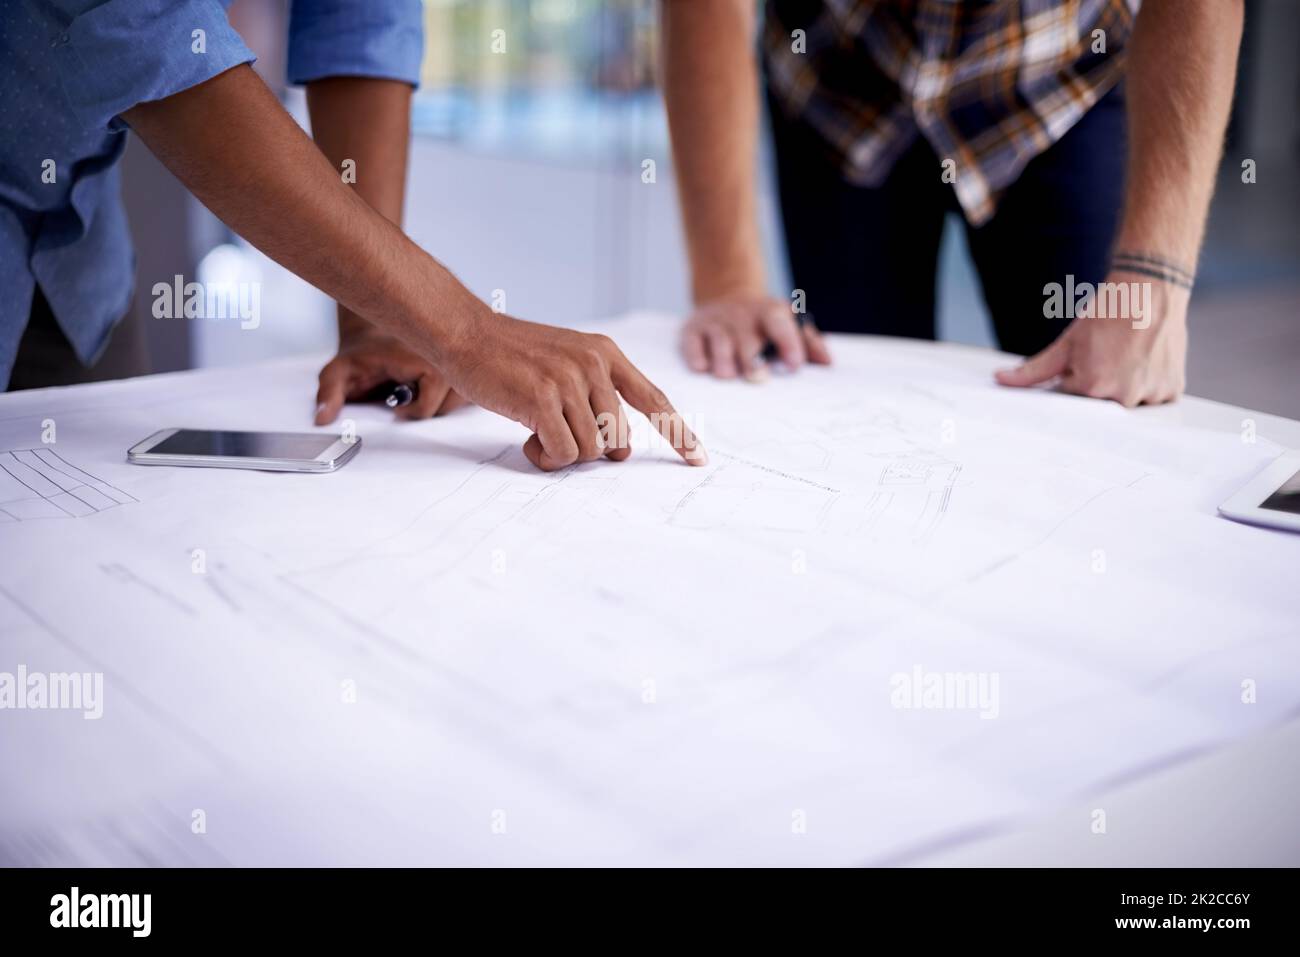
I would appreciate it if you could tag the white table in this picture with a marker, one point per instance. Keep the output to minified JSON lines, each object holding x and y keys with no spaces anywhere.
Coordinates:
{"x":1235,"y":807}
{"x":232,"y":705}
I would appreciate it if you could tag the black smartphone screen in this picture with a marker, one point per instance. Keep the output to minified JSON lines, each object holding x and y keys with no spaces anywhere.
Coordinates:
{"x":264,"y":445}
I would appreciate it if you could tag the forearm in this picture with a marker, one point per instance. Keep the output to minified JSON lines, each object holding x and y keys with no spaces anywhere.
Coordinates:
{"x":363,"y":126}
{"x":232,"y":144}
{"x":1182,"y":63}
{"x":711,"y":92}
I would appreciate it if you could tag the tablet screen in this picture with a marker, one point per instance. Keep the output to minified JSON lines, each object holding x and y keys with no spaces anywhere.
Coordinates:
{"x":1286,"y":498}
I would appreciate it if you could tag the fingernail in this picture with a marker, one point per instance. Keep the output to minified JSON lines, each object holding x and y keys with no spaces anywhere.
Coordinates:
{"x":758,"y":372}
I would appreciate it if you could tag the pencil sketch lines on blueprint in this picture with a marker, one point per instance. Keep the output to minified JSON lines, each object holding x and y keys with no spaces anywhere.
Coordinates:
{"x":745,"y":493}
{"x":935,"y":477}
{"x":40,"y":483}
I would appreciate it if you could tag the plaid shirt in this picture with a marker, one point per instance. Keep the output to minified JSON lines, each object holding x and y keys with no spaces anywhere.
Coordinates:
{"x":989,"y":83}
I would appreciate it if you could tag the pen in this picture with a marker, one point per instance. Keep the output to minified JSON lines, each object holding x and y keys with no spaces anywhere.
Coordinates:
{"x":770,"y":352}
{"x":401,"y":393}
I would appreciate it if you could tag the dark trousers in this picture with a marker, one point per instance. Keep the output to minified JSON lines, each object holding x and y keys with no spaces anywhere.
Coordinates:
{"x":866,"y":257}
{"x":46,"y":358}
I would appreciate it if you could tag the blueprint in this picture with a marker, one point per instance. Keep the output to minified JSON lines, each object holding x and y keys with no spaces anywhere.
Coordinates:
{"x":900,"y":605}
{"x":38,"y":483}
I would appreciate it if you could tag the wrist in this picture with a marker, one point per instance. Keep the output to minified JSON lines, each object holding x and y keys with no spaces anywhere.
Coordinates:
{"x":353,"y":328}
{"x":1153,"y":267}
{"x":458,"y":338}
{"x":1164,"y":270}
{"x":718,"y":287}
{"x":1169,"y":249}
{"x":738,"y":276}
{"x":1145,"y":300}
{"x":429,"y":309}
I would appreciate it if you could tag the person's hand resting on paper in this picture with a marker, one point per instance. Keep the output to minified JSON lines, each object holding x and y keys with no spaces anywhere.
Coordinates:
{"x":1129,"y":357}
{"x":232,"y":144}
{"x":367,"y":123}
{"x":710,"y":84}
{"x":1181,"y":63}
{"x":367,"y":359}
{"x":726,"y":336}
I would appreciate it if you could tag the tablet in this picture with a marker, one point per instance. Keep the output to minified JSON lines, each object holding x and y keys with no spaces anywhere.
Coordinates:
{"x":1271,"y":498}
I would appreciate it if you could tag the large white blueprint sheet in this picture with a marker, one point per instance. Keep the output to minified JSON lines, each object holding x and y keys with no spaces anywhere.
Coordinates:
{"x":440,"y":656}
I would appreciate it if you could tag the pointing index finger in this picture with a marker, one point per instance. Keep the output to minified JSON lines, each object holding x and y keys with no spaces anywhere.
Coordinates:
{"x":645,"y":397}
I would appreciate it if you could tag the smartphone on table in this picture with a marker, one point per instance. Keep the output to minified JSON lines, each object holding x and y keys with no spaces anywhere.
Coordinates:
{"x":264,"y":451}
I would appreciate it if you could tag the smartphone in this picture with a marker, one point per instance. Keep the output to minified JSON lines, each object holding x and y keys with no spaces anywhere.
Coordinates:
{"x":265,"y":451}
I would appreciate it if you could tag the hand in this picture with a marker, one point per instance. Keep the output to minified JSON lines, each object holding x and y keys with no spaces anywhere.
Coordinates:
{"x":726,"y":336}
{"x":1134,"y":356}
{"x":562,"y":385}
{"x":369,"y":359}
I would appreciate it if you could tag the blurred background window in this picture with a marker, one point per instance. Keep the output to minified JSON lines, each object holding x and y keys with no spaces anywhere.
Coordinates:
{"x":556,"y":79}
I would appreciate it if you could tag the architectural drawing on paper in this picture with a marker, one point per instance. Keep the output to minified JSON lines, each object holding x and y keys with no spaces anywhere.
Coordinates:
{"x":40,"y":483}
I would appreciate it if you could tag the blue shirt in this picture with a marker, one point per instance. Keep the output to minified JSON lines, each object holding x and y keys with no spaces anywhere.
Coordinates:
{"x":68,"y":68}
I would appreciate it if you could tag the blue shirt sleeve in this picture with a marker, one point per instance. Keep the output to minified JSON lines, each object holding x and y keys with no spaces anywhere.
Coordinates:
{"x":383,"y":39}
{"x":112,"y":55}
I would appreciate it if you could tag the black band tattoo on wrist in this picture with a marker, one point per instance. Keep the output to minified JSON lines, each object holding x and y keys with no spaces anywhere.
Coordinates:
{"x":1154,"y":262}
{"x":1146,"y":264}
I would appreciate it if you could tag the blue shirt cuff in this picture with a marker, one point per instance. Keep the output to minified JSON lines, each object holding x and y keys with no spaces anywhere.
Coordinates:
{"x":383,"y":40}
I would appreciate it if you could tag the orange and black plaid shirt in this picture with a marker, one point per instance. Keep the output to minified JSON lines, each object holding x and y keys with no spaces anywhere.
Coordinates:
{"x":990,"y":84}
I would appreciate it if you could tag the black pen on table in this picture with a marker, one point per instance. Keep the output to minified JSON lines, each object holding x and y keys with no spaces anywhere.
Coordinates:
{"x":395,"y":394}
{"x":770,"y":352}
